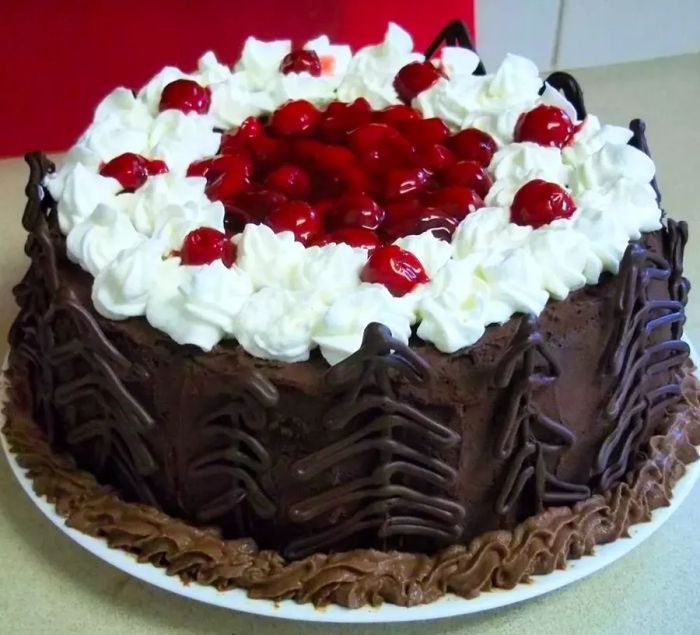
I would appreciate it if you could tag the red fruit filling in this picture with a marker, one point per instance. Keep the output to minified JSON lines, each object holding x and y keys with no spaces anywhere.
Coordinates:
{"x":540,"y":202}
{"x":545,"y":125}
{"x":185,"y":95}
{"x":204,"y":245}
{"x":414,"y":78}
{"x":397,"y":269}
{"x":301,"y":61}
{"x":132,"y":170}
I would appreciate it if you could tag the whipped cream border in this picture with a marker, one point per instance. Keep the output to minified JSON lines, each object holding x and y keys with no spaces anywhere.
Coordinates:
{"x":282,"y":300}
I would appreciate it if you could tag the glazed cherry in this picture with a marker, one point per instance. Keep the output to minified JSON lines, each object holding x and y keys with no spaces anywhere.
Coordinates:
{"x":251,"y":206}
{"x":545,"y":125}
{"x":473,"y":145}
{"x":131,"y":170}
{"x":454,"y":200}
{"x":394,"y":115}
{"x":355,"y":210}
{"x":340,"y":118}
{"x":156,"y":166}
{"x":423,"y":132}
{"x":468,"y":174}
{"x":234,"y":140}
{"x":185,"y":95}
{"x":268,"y":152}
{"x":204,"y":245}
{"x":295,"y":118}
{"x":231,"y":180}
{"x":301,"y":61}
{"x":213,"y":167}
{"x":379,"y":147}
{"x":435,"y":158}
{"x":290,"y":180}
{"x":297,"y":217}
{"x":353,"y":236}
{"x":398,"y":270}
{"x":428,"y":219}
{"x":398,"y":183}
{"x":539,"y":202}
{"x":414,"y":78}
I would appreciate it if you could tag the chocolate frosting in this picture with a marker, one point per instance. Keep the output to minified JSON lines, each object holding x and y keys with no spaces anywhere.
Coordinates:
{"x":497,"y":559}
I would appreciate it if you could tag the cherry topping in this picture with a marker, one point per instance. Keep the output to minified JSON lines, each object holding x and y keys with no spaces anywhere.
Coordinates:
{"x":414,"y":78}
{"x":131,"y":170}
{"x":435,"y":158}
{"x":469,"y":174}
{"x":232,"y":178}
{"x":233,"y":140}
{"x":355,"y":210}
{"x":398,"y":270}
{"x":342,"y":118}
{"x":474,"y":145}
{"x":423,"y":132}
{"x":539,"y":202}
{"x":156,"y":166}
{"x":251,"y":206}
{"x":301,"y":61}
{"x":353,"y":236}
{"x":379,"y":147}
{"x":436,"y":221}
{"x":297,"y":217}
{"x":185,"y":95}
{"x":455,"y":200}
{"x":545,"y":125}
{"x":398,"y":183}
{"x":394,"y":115}
{"x":298,"y":117}
{"x":268,"y":152}
{"x":205,"y":245}
{"x":214,"y":166}
{"x":289,"y":179}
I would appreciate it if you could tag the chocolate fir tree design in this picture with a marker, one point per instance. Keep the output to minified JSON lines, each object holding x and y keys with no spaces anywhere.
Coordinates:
{"x":408,"y":490}
{"x":232,"y":453}
{"x":529,"y":439}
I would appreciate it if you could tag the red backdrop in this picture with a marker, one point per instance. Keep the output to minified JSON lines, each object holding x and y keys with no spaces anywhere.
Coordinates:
{"x":60,"y":57}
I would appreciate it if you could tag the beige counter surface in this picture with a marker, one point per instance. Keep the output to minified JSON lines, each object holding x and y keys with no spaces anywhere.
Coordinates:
{"x":50,"y":585}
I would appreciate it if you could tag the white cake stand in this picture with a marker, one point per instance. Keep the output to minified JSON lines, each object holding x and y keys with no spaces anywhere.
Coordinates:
{"x":447,"y":606}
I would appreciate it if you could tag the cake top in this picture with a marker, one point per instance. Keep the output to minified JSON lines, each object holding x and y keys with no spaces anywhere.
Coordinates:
{"x":292,"y":199}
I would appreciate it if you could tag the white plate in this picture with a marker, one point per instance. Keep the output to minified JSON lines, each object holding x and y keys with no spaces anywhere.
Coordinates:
{"x":448,"y":606}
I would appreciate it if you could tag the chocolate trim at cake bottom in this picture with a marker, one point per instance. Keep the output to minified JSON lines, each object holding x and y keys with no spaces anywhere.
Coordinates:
{"x":496,"y":559}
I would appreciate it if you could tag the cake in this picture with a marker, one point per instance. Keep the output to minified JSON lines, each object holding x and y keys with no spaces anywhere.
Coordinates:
{"x":352,"y":328}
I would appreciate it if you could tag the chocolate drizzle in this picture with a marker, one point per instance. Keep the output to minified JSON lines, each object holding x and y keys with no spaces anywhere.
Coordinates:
{"x":528,"y":437}
{"x":639,"y":141}
{"x":644,"y":350}
{"x":570,"y":88}
{"x":408,"y":492}
{"x":454,"y":33}
{"x":234,"y":457}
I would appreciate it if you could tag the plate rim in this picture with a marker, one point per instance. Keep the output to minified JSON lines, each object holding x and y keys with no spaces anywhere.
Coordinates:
{"x":449,"y":605}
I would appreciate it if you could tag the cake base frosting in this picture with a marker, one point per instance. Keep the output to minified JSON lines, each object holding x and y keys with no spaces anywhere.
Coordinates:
{"x":496,"y":559}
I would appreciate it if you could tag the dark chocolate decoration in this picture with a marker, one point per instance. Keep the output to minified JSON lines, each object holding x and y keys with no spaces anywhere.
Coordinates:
{"x":528,"y":437}
{"x":644,"y":350}
{"x":454,"y":33}
{"x":570,"y":88}
{"x":639,"y":141}
{"x":408,"y":492}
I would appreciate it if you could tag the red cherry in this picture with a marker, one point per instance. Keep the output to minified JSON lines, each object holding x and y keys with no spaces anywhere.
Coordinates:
{"x":394,"y":115}
{"x":297,"y":217}
{"x":353,"y":236}
{"x":423,"y":132}
{"x":156,"y":166}
{"x":298,"y":117}
{"x":454,"y":200}
{"x":213,"y":167}
{"x":379,"y":147}
{"x":301,"y":61}
{"x":545,"y":125}
{"x":435,"y":158}
{"x":233,"y":140}
{"x":473,"y":145}
{"x":251,"y":206}
{"x":205,"y":245}
{"x":398,"y":183}
{"x":436,"y":221}
{"x":539,"y":202}
{"x":289,"y":179}
{"x":339,"y":118}
{"x":398,"y":270}
{"x":414,"y":78}
{"x":199,"y":168}
{"x":231,"y":179}
{"x":185,"y":95}
{"x":268,"y":152}
{"x":469,"y":174}
{"x":131,"y":170}
{"x":355,"y":210}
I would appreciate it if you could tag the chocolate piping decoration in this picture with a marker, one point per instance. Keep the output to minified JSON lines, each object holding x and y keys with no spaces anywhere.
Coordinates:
{"x":640,"y":354}
{"x":408,"y":492}
{"x":571,"y":89}
{"x":496,"y":559}
{"x":528,"y":367}
{"x":639,"y":141}
{"x":454,"y":33}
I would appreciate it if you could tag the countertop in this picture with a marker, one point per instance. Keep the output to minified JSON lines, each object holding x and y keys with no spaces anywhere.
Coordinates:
{"x":50,"y":585}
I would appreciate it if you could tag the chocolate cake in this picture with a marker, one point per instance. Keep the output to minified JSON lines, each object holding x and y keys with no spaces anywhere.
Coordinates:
{"x":510,"y":389}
